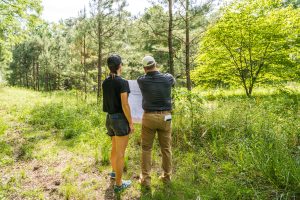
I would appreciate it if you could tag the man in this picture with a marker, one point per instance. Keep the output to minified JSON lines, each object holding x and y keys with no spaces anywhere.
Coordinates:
{"x":157,"y":105}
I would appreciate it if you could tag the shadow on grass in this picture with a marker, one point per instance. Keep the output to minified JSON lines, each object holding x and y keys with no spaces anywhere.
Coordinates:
{"x":109,"y":192}
{"x":175,"y":191}
{"x":262,"y":96}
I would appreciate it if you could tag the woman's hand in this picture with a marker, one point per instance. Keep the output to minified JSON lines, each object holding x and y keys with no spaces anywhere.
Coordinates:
{"x":131,"y":128}
{"x":126,"y":110}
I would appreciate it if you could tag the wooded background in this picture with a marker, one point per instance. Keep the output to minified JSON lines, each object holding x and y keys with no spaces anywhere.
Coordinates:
{"x":209,"y":44}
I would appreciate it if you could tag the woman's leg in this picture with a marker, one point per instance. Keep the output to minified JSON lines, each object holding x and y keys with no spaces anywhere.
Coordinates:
{"x":121,"y":144}
{"x":113,"y":155}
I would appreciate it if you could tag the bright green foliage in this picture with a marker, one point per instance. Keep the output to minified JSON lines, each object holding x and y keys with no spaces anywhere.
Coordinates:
{"x":16,"y":17}
{"x":253,"y":41}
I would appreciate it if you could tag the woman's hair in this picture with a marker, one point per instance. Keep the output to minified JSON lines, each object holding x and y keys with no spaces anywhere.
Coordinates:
{"x":113,"y":63}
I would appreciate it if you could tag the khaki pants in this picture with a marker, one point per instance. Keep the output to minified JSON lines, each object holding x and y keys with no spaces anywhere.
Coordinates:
{"x":152,"y":123}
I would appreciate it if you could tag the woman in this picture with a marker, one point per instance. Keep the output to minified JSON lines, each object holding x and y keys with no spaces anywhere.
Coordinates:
{"x":118,"y":122}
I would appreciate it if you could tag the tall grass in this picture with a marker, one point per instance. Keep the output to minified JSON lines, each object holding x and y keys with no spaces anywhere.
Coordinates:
{"x":6,"y":151}
{"x":3,"y":126}
{"x":72,"y":118}
{"x":240,"y":148}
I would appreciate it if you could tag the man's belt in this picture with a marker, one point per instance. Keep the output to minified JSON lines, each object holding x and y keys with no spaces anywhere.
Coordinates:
{"x":158,"y":111}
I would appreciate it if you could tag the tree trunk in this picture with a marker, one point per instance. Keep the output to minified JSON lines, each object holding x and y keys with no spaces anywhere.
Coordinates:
{"x":58,"y":81}
{"x":84,"y":66}
{"x":46,"y":82}
{"x":170,"y":38}
{"x":99,"y":59}
{"x":187,"y":46}
{"x":20,"y":78}
{"x":27,"y":82}
{"x":37,"y":77}
{"x":33,"y":75}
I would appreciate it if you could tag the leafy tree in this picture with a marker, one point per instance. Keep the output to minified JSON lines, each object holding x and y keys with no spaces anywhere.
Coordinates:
{"x":167,"y":20}
{"x":154,"y":34}
{"x":41,"y":60}
{"x":251,"y":39}
{"x":16,"y":17}
{"x":295,"y":3}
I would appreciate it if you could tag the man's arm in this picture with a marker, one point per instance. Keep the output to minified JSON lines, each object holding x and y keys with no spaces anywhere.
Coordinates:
{"x":171,"y":79}
{"x":126,"y":110}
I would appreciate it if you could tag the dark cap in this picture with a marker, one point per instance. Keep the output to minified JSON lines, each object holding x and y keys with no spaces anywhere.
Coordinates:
{"x":114,"y":61}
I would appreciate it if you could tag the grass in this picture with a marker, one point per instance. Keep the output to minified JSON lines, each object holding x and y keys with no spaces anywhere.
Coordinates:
{"x":225,"y":146}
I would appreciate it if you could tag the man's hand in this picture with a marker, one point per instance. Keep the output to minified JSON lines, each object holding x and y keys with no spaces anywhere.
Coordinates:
{"x":131,"y":128}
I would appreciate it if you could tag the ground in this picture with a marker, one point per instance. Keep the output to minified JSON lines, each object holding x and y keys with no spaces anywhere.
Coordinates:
{"x":42,"y":166}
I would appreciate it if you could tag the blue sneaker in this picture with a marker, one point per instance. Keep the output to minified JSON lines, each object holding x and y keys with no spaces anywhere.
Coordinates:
{"x":112,"y":175}
{"x":125,"y":184}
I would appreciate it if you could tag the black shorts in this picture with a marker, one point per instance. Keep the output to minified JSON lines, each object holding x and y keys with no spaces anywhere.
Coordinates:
{"x":117,"y":125}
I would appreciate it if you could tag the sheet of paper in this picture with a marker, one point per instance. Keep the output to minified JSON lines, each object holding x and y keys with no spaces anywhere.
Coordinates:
{"x":135,"y":101}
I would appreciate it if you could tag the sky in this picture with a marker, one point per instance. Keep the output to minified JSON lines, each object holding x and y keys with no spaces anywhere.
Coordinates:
{"x":54,"y":10}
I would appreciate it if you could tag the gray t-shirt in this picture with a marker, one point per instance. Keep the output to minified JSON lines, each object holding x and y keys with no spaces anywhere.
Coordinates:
{"x":156,"y":91}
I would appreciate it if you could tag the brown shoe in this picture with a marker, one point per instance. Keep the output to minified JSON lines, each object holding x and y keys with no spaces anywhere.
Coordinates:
{"x":164,"y":179}
{"x":144,"y":185}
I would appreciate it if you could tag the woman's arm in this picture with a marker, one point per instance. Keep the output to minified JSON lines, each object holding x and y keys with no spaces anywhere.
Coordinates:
{"x":126,"y":110}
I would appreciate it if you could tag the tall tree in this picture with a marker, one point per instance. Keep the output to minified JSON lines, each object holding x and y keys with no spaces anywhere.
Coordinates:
{"x":159,"y":24}
{"x":107,"y":18}
{"x":170,"y":37}
{"x":192,"y":20}
{"x":83,"y":30}
{"x":187,"y":45}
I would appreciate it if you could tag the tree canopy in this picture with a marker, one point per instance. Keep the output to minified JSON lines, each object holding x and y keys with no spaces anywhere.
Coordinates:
{"x":17,"y":17}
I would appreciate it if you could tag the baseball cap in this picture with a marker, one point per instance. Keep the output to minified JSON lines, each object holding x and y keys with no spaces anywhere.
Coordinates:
{"x":148,"y":61}
{"x":114,"y":60}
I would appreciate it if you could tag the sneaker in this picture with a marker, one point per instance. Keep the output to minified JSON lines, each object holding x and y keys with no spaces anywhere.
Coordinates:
{"x":112,"y":175}
{"x":125,"y":184}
